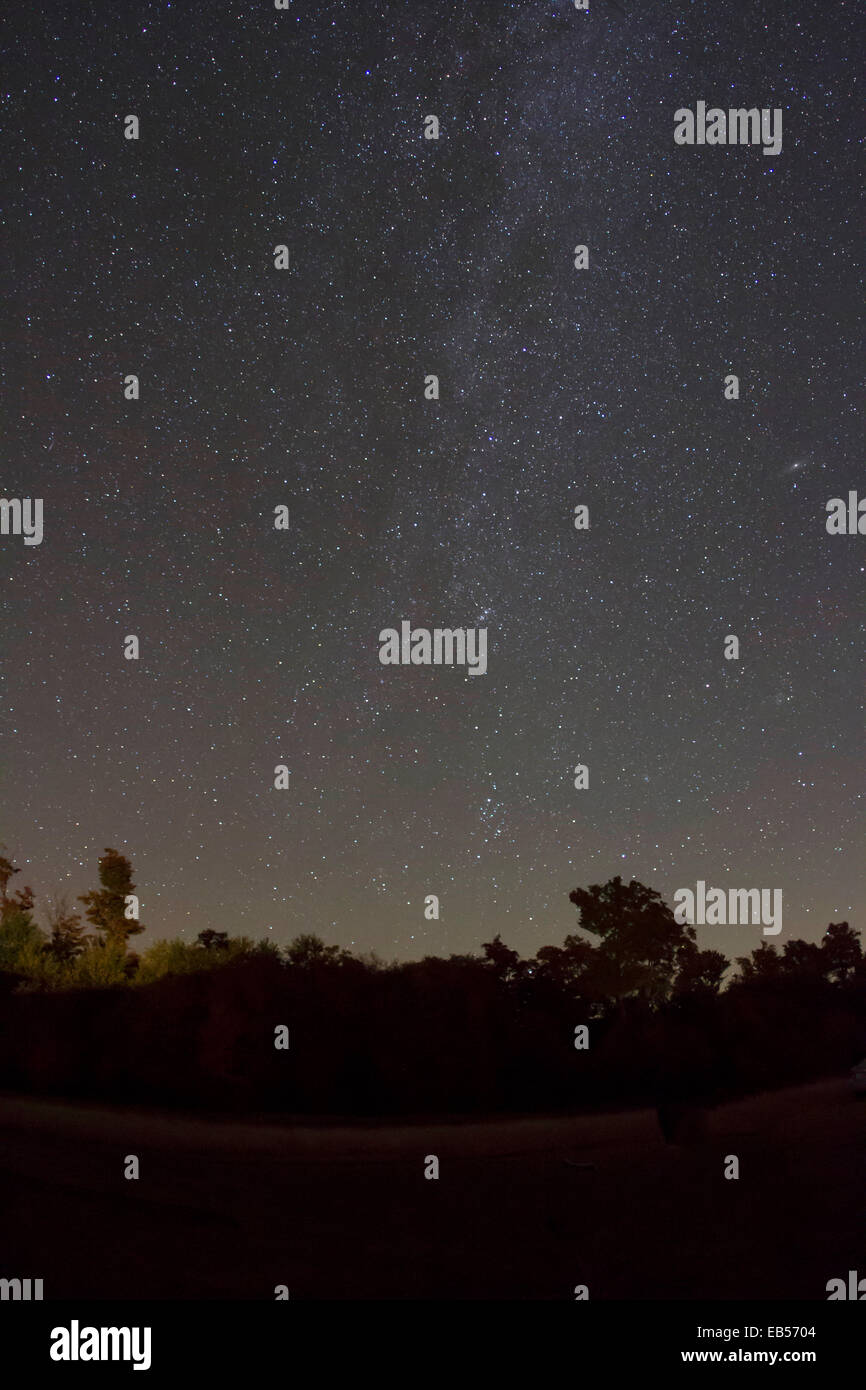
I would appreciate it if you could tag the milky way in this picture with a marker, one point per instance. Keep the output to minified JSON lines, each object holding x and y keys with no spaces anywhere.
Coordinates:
{"x":558,"y":387}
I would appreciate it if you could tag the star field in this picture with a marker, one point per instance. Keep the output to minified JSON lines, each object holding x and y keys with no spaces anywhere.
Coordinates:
{"x":305,"y":388}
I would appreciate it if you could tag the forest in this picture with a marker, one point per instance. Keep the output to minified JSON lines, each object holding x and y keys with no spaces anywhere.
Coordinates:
{"x":627,"y":1011}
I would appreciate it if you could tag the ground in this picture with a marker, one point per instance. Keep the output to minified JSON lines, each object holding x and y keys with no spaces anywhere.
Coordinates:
{"x":229,"y":1209}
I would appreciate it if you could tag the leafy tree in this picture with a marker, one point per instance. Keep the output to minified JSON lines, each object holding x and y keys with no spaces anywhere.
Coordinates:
{"x":804,"y":958}
{"x":103,"y":963}
{"x":22,"y":901}
{"x":308,"y":950}
{"x":266,"y":947}
{"x":765,"y":963}
{"x":41,"y":970}
{"x":700,"y":972}
{"x":565,"y":966}
{"x":18,"y":933}
{"x":213,"y":940}
{"x":7,"y":869}
{"x":173,"y":958}
{"x":640,"y":941}
{"x":505,"y":963}
{"x":241,"y":946}
{"x":841,"y":949}
{"x":68,"y":938}
{"x":105,"y":907}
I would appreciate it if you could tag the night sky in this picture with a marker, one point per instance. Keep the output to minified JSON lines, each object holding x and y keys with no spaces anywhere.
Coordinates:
{"x":305,"y":387}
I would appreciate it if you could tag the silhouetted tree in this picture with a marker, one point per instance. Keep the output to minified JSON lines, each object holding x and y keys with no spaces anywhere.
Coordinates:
{"x":213,"y":940}
{"x":307,"y":950}
{"x":764,"y":963}
{"x":7,"y":869}
{"x":105,"y":907}
{"x":505,"y":964}
{"x":700,"y":972}
{"x":565,"y":965}
{"x":67,"y":938}
{"x":803,"y":958}
{"x":640,"y":940}
{"x":22,"y":901}
{"x":841,"y":949}
{"x":20,"y":940}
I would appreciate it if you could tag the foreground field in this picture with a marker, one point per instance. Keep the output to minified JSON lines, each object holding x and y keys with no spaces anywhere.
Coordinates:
{"x":523,"y":1208}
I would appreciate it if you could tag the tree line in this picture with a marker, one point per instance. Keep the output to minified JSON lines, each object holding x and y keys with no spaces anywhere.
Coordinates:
{"x":628,"y":1010}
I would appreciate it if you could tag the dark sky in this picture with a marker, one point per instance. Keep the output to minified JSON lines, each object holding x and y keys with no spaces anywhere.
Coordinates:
{"x":306,"y":388}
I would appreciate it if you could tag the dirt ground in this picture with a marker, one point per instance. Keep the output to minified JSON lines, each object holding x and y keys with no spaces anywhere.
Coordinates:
{"x":522,"y":1209}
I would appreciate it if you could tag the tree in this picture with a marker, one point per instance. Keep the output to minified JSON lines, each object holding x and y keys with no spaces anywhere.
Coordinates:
{"x":565,"y":965}
{"x":22,"y":901}
{"x":212,"y":940}
{"x":102,"y":964}
{"x":21,"y":940}
{"x":308,"y":950}
{"x":804,"y":958}
{"x":840,"y":947}
{"x":67,"y":938}
{"x":173,"y":958}
{"x":106,"y":907}
{"x":640,"y":941}
{"x":19,"y":936}
{"x":7,"y":869}
{"x":765,"y":963}
{"x":700,"y":972}
{"x":505,"y":963}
